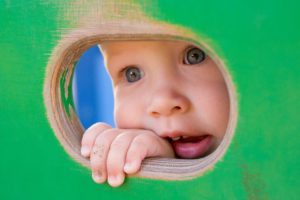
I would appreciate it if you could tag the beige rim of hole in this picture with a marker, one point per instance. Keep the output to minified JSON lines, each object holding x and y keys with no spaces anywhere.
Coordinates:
{"x":65,"y":123}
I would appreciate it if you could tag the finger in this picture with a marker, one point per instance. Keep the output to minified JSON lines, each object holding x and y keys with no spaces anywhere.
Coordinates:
{"x":136,"y":153}
{"x":145,"y":145}
{"x":116,"y":158}
{"x":90,"y":136}
{"x":99,"y":154}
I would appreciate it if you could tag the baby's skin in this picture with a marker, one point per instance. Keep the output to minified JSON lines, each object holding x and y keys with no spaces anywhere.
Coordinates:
{"x":171,"y":100}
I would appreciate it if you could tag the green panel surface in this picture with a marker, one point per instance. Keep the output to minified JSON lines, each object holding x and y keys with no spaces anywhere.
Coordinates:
{"x":260,"y":43}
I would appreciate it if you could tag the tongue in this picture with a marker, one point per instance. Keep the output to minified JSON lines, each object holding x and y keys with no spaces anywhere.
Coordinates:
{"x":192,"y":147}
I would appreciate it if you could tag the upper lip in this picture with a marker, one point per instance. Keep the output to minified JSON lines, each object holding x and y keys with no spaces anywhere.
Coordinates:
{"x":173,"y":134}
{"x":176,"y":135}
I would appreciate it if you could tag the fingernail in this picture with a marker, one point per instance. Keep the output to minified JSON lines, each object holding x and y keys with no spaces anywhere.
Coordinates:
{"x":97,"y":177}
{"x":115,"y":180}
{"x":127,"y":167}
{"x":85,"y":151}
{"x":131,"y":167}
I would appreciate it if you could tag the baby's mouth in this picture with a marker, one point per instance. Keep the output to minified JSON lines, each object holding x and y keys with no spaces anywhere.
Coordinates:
{"x":191,"y":147}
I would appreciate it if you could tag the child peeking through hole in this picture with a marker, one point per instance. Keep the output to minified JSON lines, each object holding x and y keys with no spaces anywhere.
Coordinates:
{"x":171,"y":100}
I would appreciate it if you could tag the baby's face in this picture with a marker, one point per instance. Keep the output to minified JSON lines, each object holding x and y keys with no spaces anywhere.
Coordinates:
{"x":171,"y":88}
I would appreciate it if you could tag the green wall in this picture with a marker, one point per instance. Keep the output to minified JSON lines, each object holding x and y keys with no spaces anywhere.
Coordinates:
{"x":260,"y":42}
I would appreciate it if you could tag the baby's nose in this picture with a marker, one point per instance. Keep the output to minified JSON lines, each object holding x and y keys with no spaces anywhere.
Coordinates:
{"x":167,"y":103}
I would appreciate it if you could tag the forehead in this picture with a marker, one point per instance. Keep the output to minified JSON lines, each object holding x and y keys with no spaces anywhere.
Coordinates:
{"x":125,"y":47}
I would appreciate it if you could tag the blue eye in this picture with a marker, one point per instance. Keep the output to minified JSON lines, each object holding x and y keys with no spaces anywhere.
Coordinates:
{"x":133,"y":74}
{"x":194,"y":56}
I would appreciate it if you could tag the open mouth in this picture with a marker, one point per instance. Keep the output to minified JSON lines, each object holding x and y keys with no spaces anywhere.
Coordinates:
{"x":191,"y":147}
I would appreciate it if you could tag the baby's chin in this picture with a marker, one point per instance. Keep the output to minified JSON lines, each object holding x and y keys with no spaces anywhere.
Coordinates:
{"x":194,"y":147}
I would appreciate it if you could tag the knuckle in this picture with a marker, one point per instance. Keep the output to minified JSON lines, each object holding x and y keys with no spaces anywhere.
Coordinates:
{"x":92,"y":132}
{"x":120,"y":140}
{"x":114,"y":167}
{"x":139,"y":140}
{"x":105,"y":136}
{"x":99,"y":139}
{"x":98,"y":153}
{"x":98,"y":150}
{"x":96,"y":165}
{"x":99,"y":125}
{"x":138,"y":147}
{"x":86,"y":138}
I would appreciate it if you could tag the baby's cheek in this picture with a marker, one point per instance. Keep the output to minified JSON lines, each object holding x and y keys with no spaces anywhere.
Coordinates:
{"x":126,"y":116}
{"x":221,"y":112}
{"x":213,"y":106}
{"x":119,"y":117}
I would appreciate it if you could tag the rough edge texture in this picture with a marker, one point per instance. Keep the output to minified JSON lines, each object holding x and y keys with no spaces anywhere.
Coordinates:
{"x":69,"y":130}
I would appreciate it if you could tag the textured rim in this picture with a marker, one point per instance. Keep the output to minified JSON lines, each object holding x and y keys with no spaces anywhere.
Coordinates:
{"x":65,"y":123}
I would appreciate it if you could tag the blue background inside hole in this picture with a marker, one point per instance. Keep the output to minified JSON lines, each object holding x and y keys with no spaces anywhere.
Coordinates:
{"x":92,"y":89}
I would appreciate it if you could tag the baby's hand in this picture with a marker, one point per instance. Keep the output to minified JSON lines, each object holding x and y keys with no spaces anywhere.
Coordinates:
{"x":114,"y":152}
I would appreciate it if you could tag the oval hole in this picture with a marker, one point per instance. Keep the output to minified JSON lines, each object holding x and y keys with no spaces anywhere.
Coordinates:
{"x":68,"y":128}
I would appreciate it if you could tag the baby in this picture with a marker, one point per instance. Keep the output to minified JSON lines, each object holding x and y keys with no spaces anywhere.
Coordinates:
{"x":171,"y":100}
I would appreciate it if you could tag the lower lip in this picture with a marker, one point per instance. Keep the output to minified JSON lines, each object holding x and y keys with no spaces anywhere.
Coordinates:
{"x":192,"y":147}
